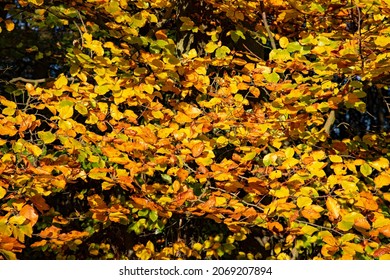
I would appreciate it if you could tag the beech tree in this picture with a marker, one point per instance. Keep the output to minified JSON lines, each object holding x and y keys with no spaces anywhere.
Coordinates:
{"x":211,"y":129}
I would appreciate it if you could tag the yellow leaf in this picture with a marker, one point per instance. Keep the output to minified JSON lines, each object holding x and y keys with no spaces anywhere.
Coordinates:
{"x":282,"y":192}
{"x":197,"y":246}
{"x":275,"y":174}
{"x":191,"y":54}
{"x":318,"y":155}
{"x":220,"y":201}
{"x":382,"y":41}
{"x":65,"y":109}
{"x":36,"y":2}
{"x":222,"y":177}
{"x":335,"y":158}
{"x":157,"y":114}
{"x":384,"y":257}
{"x":150,"y":246}
{"x":283,"y":42}
{"x":204,"y":161}
{"x":290,"y":162}
{"x":379,"y":164}
{"x":309,"y":230}
{"x":81,"y":109}
{"x":35,"y":150}
{"x":2,"y":192}
{"x":289,"y":152}
{"x":61,"y":81}
{"x":248,"y":157}
{"x":365,"y":169}
{"x":303,"y":201}
{"x":211,"y":47}
{"x":222,"y":141}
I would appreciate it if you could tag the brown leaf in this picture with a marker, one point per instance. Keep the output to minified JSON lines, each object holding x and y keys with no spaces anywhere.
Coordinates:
{"x":184,"y":196}
{"x":40,"y":203}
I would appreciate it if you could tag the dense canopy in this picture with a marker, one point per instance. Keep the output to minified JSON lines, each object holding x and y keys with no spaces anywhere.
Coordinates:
{"x":194,"y":129}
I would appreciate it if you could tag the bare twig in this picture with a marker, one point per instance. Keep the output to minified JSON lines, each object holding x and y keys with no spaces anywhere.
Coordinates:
{"x":25,"y":80}
{"x":329,"y":122}
{"x":318,"y":226}
{"x":266,"y":26}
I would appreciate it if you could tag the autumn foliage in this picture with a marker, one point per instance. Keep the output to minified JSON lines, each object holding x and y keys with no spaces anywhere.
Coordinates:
{"x":195,"y":130}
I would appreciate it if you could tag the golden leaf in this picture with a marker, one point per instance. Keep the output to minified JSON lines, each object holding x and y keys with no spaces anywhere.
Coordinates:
{"x":9,"y":25}
{"x":382,"y":180}
{"x":333,"y":208}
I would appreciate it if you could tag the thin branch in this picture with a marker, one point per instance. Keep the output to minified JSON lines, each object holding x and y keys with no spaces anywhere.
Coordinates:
{"x":81,"y":34}
{"x":360,"y":38}
{"x":266,"y":26}
{"x":82,"y":21}
{"x":318,"y":226}
{"x":329,"y":122}
{"x":25,"y":80}
{"x":36,"y":81}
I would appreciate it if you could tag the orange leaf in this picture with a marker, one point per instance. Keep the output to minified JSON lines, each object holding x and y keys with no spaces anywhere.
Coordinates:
{"x":385,"y":230}
{"x":50,"y":232}
{"x":362,"y":223}
{"x":161,"y":34}
{"x":29,"y":212}
{"x":182,"y":174}
{"x":197,"y":149}
{"x":144,"y":203}
{"x":330,"y":240}
{"x":275,"y":227}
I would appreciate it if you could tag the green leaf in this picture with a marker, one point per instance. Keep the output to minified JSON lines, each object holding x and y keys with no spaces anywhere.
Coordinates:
{"x":166,"y":178}
{"x":271,"y":78}
{"x":153,"y":216}
{"x":236,"y":35}
{"x":8,"y":254}
{"x":222,"y":52}
{"x":143,"y":212}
